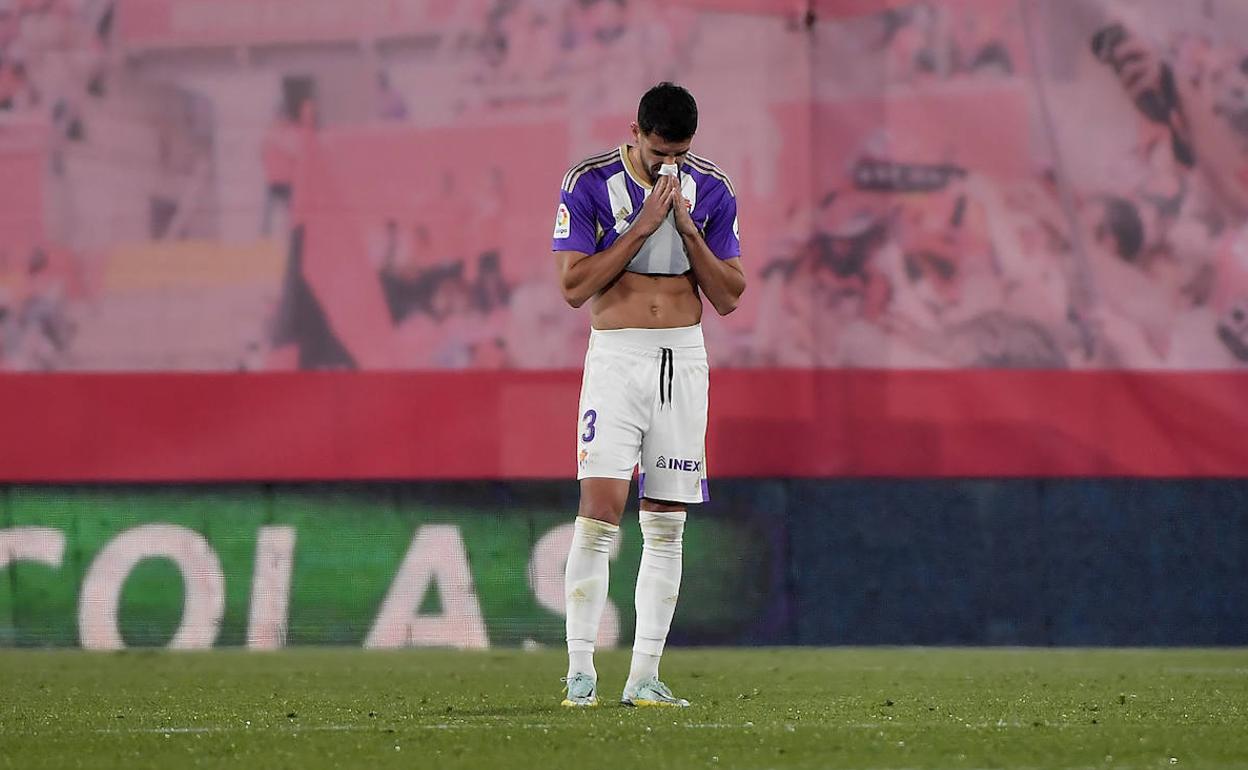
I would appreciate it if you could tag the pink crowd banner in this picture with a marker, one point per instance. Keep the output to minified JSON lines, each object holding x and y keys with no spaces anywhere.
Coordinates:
{"x":935,"y":196}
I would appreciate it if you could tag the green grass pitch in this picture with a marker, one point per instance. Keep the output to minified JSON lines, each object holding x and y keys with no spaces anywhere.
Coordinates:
{"x":761,"y":708}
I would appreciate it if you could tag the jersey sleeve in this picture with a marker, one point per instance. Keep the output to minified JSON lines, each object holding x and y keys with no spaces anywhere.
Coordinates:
{"x":575,"y":225}
{"x":721,"y":233}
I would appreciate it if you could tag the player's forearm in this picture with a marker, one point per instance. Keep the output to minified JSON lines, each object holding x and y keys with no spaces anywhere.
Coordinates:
{"x":590,"y":275}
{"x":720,"y":283}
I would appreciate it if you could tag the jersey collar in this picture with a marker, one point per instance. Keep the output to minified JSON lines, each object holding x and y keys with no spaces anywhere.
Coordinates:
{"x":632,"y":172}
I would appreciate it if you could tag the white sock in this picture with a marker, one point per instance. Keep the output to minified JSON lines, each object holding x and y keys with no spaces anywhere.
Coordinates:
{"x":658,"y":586}
{"x":643,"y":667}
{"x":585,"y":590}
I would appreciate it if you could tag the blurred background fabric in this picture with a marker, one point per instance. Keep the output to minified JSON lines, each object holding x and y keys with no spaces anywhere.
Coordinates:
{"x":276,"y":185}
{"x":283,"y":359}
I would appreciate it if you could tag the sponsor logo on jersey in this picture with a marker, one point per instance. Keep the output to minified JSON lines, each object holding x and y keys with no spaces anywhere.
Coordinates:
{"x":676,"y":464}
{"x":563,"y":222}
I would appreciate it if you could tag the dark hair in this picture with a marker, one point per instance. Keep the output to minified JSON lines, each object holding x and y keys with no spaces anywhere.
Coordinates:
{"x":1123,"y":220}
{"x":1106,"y":40}
{"x":669,"y":111}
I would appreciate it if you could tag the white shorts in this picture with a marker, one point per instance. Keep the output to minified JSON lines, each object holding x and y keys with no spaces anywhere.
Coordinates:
{"x":643,"y":403}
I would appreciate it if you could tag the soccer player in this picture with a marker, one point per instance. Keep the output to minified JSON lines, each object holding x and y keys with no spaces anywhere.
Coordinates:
{"x":645,"y":231}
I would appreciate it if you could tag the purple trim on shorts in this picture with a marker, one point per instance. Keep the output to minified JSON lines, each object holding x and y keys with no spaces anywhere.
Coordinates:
{"x":641,"y":488}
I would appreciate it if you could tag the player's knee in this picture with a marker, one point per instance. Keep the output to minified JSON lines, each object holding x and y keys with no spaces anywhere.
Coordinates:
{"x":601,"y":510}
{"x":603,"y":499}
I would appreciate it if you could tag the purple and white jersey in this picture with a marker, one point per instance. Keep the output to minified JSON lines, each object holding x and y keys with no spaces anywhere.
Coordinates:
{"x":602,"y":196}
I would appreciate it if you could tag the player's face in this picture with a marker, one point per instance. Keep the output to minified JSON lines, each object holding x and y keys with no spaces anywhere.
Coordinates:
{"x":657,"y":151}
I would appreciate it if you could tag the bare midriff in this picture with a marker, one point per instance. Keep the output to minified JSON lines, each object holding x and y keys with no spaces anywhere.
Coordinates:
{"x":637,"y":301}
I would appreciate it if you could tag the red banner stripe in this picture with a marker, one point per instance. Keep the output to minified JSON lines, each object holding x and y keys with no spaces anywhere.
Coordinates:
{"x":517,"y":425}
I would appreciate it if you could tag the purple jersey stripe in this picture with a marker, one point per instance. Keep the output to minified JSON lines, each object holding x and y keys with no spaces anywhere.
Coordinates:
{"x":588,"y":216}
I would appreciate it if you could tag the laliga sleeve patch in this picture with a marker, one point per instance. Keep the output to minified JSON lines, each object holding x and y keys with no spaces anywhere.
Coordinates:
{"x":563,"y":222}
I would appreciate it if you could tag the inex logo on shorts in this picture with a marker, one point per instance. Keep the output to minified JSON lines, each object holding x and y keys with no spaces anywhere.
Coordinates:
{"x":674,"y":464}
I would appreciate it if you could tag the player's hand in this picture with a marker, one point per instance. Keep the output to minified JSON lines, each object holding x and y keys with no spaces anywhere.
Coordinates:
{"x":656,"y":206}
{"x":684,"y":214}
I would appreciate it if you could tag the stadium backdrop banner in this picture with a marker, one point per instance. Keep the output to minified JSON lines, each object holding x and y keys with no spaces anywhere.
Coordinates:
{"x":983,"y":237}
{"x":475,"y":566}
{"x":378,"y":566}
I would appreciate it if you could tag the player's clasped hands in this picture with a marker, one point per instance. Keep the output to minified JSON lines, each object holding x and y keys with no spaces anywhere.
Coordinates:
{"x":684,"y":217}
{"x":657,"y":204}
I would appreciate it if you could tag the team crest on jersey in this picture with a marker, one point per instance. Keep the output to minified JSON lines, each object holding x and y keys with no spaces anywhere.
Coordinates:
{"x":563,"y":222}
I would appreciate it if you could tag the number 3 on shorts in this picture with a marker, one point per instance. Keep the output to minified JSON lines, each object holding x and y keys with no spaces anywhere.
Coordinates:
{"x":590,"y":418}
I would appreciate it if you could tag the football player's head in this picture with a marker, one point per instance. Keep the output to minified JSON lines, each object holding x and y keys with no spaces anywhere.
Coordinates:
{"x":669,"y":113}
{"x":667,"y":119}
